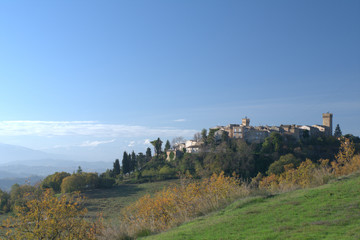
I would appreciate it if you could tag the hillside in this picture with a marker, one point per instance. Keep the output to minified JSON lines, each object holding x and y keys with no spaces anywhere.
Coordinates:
{"x":330,"y":211}
{"x":110,"y":201}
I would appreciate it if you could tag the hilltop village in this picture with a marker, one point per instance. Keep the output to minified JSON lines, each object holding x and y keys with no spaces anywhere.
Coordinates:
{"x":257,"y":134}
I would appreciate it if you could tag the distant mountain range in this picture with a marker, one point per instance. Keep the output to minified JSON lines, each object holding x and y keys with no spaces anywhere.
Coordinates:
{"x":19,"y":163}
{"x":11,"y":153}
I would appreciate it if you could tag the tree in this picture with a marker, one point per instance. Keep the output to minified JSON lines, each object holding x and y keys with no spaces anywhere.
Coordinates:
{"x":211,"y":137}
{"x":126,"y":163}
{"x":4,"y":202}
{"x":172,"y":155}
{"x":157,"y":146}
{"x":79,"y":170}
{"x":177,"y":140}
{"x":54,"y":181}
{"x":225,"y":136}
{"x":133,"y":161}
{"x":204,"y":135}
{"x":273,"y":143}
{"x":148,"y":155}
{"x":197,"y":137}
{"x":167,"y":145}
{"x":141,"y":160}
{"x":337,"y":132}
{"x":49,"y":217}
{"x":72,"y":183}
{"x":116,"y":169}
{"x":277,"y":167}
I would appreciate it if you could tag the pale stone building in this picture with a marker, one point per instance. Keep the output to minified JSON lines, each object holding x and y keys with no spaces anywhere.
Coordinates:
{"x":258,"y":134}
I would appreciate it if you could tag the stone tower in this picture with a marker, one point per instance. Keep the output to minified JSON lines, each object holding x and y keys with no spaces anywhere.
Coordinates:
{"x":245,"y":121}
{"x":327,"y":121}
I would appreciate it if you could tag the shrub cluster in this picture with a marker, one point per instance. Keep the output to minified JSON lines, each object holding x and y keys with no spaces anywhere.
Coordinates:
{"x":180,"y":203}
{"x":46,"y":216}
{"x":310,"y":174}
{"x":66,"y":183}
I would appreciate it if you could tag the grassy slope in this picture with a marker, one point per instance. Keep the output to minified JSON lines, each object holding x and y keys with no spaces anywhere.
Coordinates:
{"x":331,"y":211}
{"x":111,"y":201}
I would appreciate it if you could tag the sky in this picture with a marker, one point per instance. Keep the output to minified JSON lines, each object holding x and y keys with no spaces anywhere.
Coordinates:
{"x":92,"y":79}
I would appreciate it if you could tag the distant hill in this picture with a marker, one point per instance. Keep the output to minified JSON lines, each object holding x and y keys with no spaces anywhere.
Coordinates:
{"x":11,"y":153}
{"x":44,"y":167}
{"x":6,"y":183}
{"x":19,"y":163}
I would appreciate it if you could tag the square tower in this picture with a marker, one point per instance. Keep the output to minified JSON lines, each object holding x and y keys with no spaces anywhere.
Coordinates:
{"x":327,"y":121}
{"x":245,"y":121}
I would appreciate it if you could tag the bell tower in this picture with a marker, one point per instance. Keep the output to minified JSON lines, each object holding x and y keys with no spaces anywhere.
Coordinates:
{"x":245,"y":121}
{"x":327,"y":121}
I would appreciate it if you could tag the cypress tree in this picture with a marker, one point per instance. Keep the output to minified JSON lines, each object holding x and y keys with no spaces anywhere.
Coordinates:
{"x":148,"y":155}
{"x":167,"y":145}
{"x":126,"y":163}
{"x":116,"y":169}
{"x":133,"y":161}
{"x":337,"y":132}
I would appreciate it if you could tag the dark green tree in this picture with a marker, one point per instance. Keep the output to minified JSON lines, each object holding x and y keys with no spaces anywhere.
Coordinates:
{"x":211,"y":137}
{"x":277,"y":167}
{"x":148,"y":155}
{"x":204,"y":135}
{"x":225,"y":137}
{"x":116,"y":169}
{"x":140,"y":160}
{"x":54,"y":181}
{"x":133,"y":161}
{"x":337,"y":132}
{"x":157,"y":146}
{"x":126,"y":163}
{"x":79,"y":170}
{"x":4,"y":202}
{"x":167,"y":145}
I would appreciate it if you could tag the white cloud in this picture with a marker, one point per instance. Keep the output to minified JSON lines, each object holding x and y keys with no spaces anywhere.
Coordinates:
{"x":95,"y":143}
{"x":85,"y":128}
{"x":147,"y":141}
{"x":180,"y":120}
{"x":131,"y":144}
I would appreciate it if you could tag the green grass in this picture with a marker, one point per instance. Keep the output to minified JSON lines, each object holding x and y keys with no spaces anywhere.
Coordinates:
{"x":331,"y":211}
{"x":111,"y":201}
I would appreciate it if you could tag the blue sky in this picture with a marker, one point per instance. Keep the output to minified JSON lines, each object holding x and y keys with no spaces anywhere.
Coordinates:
{"x":95,"y":78}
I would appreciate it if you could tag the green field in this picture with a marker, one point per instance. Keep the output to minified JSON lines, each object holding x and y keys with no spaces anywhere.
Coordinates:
{"x":111,"y":201}
{"x":331,"y":211}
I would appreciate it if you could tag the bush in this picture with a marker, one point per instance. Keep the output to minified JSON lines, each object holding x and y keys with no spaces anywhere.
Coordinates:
{"x":79,"y":182}
{"x":310,"y":174}
{"x":54,"y":181}
{"x":277,"y":167}
{"x":105,"y":182}
{"x":19,"y":193}
{"x":49,"y":217}
{"x":167,"y":172}
{"x":177,"y":204}
{"x":72,"y":183}
{"x":346,"y":162}
{"x":4,"y":202}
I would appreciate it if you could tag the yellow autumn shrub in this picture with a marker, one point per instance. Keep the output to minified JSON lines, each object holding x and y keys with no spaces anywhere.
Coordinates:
{"x":310,"y":174}
{"x":50,"y":217}
{"x":345,"y":161}
{"x":179,"y":203}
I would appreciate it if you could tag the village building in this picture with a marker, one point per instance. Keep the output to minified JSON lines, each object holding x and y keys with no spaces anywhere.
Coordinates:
{"x":256,"y":134}
{"x":259,"y":133}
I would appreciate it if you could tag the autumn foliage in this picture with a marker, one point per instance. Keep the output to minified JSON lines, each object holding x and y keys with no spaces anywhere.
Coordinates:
{"x":180,"y":203}
{"x":310,"y":174}
{"x":50,"y":217}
